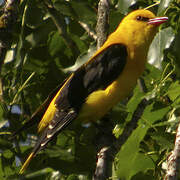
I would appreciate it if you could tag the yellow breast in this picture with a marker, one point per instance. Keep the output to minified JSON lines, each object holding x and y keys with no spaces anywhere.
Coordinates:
{"x":100,"y":102}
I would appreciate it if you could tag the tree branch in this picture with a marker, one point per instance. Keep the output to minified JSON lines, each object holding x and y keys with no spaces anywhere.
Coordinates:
{"x":104,"y":140}
{"x":88,"y":30}
{"x":102,"y":22}
{"x":173,"y":161}
{"x":7,"y":21}
{"x":60,"y":23}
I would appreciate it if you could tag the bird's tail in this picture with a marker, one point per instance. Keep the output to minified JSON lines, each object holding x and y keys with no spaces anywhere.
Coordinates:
{"x":57,"y":124}
{"x":25,"y":165}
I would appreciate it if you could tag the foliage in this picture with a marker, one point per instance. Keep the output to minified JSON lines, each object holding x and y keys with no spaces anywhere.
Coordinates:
{"x":44,"y":50}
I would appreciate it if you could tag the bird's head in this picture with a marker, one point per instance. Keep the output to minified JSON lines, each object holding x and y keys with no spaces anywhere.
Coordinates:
{"x":140,"y":26}
{"x":144,"y":17}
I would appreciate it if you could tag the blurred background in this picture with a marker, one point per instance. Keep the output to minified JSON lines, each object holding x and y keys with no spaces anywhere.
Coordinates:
{"x":49,"y":40}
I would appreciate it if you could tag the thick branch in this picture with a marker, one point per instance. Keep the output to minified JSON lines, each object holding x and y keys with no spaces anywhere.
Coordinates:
{"x":104,"y":140}
{"x":173,"y":161}
{"x":102,"y":22}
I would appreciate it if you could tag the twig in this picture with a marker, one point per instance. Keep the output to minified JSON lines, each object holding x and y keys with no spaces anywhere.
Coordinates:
{"x":155,"y":4}
{"x":60,"y":23}
{"x":89,"y":30}
{"x":21,"y":88}
{"x":173,"y":161}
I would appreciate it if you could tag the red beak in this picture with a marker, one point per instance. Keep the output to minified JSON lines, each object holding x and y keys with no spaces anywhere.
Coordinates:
{"x":157,"y":21}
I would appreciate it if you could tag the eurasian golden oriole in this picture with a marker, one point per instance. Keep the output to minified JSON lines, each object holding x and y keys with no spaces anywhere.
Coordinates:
{"x":107,"y":77}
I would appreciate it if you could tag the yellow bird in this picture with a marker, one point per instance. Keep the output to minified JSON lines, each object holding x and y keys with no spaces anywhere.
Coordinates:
{"x":107,"y":77}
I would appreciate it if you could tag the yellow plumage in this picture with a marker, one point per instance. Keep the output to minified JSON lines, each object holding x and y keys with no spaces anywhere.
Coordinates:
{"x":135,"y":33}
{"x":47,"y":117}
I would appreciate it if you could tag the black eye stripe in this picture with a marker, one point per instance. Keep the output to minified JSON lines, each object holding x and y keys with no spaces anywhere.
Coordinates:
{"x":141,"y":18}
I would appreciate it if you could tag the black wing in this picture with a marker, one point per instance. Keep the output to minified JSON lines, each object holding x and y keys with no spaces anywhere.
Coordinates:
{"x":99,"y":73}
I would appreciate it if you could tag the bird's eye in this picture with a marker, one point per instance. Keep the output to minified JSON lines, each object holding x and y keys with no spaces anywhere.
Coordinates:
{"x":141,"y":18}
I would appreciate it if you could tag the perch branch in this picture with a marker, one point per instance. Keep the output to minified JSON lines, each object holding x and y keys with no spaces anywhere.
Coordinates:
{"x":104,"y":142}
{"x":102,"y":22}
{"x":173,"y":161}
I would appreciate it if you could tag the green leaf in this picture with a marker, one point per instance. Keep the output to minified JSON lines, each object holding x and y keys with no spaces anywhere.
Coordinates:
{"x":175,"y":52}
{"x":56,"y":44}
{"x":39,"y":35}
{"x":164,"y":140}
{"x":34,"y":15}
{"x":73,"y":177}
{"x":63,"y":7}
{"x":161,"y":42}
{"x":41,"y":172}
{"x":38,"y":47}
{"x":164,"y":4}
{"x":84,"y":57}
{"x":7,"y":160}
{"x":123,"y":5}
{"x":2,"y":121}
{"x":83,"y":11}
{"x":127,"y":156}
{"x":115,"y":18}
{"x":5,"y":144}
{"x":174,"y":91}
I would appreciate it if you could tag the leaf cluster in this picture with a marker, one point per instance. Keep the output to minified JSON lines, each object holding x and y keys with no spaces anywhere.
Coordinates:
{"x":49,"y":42}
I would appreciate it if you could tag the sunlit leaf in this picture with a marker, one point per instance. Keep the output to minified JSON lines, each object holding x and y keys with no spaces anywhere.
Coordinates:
{"x":124,"y":5}
{"x":163,"y":6}
{"x":161,"y":42}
